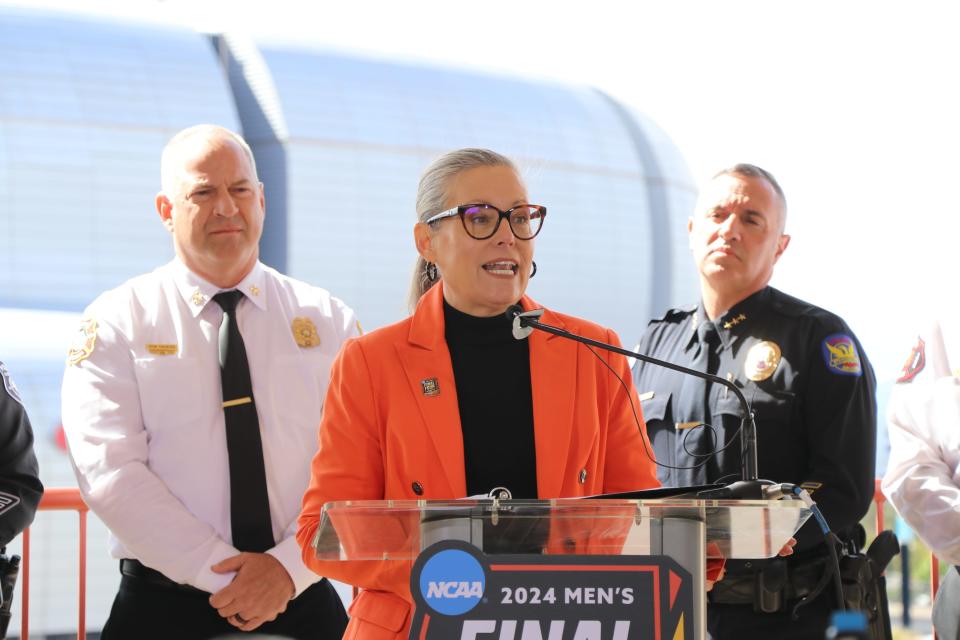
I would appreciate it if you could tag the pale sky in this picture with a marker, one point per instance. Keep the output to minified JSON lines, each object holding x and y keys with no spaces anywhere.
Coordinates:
{"x":852,"y":105}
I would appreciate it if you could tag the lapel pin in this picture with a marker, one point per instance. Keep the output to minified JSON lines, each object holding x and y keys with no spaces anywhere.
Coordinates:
{"x":430,"y":387}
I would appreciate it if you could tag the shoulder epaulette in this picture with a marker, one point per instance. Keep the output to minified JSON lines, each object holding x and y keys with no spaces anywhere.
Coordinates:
{"x":791,"y":306}
{"x":674,"y":314}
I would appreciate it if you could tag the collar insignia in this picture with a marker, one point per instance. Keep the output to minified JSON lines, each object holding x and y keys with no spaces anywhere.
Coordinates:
{"x":732,"y":322}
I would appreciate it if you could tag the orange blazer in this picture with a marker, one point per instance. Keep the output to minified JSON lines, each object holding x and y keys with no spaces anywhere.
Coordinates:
{"x":382,"y":433}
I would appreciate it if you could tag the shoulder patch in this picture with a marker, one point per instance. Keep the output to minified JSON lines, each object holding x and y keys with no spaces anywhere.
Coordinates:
{"x":8,"y":384}
{"x":915,"y":363}
{"x":83,"y":342}
{"x":840,"y":354}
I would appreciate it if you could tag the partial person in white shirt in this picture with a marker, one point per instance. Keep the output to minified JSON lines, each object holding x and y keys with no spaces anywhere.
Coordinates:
{"x":923,"y":473}
{"x":146,"y":420}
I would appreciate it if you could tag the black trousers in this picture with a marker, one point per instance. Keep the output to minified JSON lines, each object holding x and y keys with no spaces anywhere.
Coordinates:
{"x":740,"y":622}
{"x":148,"y":610}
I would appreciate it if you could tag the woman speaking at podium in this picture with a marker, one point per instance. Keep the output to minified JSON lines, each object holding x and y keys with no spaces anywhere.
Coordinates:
{"x":448,"y":404}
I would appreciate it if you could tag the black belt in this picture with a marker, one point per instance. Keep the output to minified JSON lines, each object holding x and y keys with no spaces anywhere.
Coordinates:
{"x":800,"y":581}
{"x":136,"y":569}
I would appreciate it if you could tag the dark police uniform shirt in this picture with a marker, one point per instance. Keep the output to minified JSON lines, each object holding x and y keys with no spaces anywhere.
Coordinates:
{"x":810,"y":386}
{"x":20,"y":487}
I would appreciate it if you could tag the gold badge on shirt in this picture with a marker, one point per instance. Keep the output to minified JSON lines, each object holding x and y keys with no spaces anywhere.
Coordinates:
{"x":762,"y":360}
{"x":198,"y":298}
{"x":83,"y":342}
{"x":305,"y":332}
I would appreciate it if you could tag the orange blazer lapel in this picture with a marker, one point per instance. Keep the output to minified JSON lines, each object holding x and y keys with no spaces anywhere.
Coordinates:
{"x":426,"y":363}
{"x":553,"y":367}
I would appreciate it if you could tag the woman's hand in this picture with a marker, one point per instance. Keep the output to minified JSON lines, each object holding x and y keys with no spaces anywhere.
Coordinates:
{"x":715,"y":565}
{"x":788,"y":548}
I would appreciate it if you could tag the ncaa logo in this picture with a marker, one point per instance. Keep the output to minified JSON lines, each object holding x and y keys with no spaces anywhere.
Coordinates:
{"x":452,"y":582}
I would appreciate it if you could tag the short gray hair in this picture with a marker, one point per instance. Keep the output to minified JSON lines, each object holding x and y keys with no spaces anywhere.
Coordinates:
{"x":432,"y":198}
{"x":753,"y":171}
{"x":207,"y":132}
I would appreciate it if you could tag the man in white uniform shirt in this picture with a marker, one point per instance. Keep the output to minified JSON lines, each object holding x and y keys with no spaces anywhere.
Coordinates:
{"x":152,"y":412}
{"x":923,"y":474}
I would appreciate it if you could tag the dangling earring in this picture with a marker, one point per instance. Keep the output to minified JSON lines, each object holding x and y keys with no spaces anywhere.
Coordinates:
{"x":430,"y":270}
{"x":534,"y":272}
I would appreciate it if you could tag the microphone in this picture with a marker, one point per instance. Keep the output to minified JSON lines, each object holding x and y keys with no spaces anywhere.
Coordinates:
{"x":516,"y":312}
{"x":749,"y":487}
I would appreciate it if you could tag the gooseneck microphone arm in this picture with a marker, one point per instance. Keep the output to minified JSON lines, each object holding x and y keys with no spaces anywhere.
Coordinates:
{"x":749,"y":487}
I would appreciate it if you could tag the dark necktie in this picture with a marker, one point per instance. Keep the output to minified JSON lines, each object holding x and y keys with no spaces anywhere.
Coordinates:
{"x":694,"y":401}
{"x":249,"y":505}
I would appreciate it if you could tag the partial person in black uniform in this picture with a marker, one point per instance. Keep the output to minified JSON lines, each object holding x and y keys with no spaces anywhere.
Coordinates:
{"x":805,"y":375}
{"x":20,"y":487}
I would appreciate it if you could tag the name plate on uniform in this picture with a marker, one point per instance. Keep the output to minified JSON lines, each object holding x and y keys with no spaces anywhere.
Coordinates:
{"x":463,"y":594}
{"x":162,"y":349}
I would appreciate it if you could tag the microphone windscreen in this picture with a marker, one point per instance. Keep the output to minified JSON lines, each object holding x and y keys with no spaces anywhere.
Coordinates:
{"x":515,"y":312}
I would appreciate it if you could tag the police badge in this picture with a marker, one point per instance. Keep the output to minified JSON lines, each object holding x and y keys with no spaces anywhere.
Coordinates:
{"x":762,"y":360}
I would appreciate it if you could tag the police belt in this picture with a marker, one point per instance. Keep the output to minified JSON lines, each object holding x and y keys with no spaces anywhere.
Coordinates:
{"x":137,"y":570}
{"x":770,"y":587}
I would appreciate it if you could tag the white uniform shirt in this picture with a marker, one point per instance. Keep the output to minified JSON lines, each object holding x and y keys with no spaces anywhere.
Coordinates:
{"x":923,"y":474}
{"x":143,"y":417}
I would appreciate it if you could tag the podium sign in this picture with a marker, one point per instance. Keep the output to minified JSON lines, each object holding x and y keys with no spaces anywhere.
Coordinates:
{"x":562,"y":569}
{"x":461,"y":593}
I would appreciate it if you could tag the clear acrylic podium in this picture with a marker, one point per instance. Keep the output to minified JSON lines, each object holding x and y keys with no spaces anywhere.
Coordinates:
{"x":685,"y":530}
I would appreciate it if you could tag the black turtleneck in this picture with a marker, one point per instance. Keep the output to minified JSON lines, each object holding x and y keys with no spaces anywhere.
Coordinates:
{"x":492,"y":372}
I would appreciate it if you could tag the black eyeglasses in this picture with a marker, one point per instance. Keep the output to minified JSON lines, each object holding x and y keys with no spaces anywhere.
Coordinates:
{"x":481,"y":221}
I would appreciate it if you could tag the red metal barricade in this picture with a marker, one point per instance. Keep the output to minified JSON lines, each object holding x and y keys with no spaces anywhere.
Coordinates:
{"x":58,"y":499}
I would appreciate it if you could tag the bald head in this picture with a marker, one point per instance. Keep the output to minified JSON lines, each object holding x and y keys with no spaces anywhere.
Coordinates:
{"x":212,"y":203}
{"x":187,"y":143}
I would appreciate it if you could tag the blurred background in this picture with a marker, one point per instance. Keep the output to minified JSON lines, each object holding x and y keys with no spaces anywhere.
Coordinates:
{"x":615,"y":111}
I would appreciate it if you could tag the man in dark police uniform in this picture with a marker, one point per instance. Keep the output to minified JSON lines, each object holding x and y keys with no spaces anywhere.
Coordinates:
{"x":807,"y":379}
